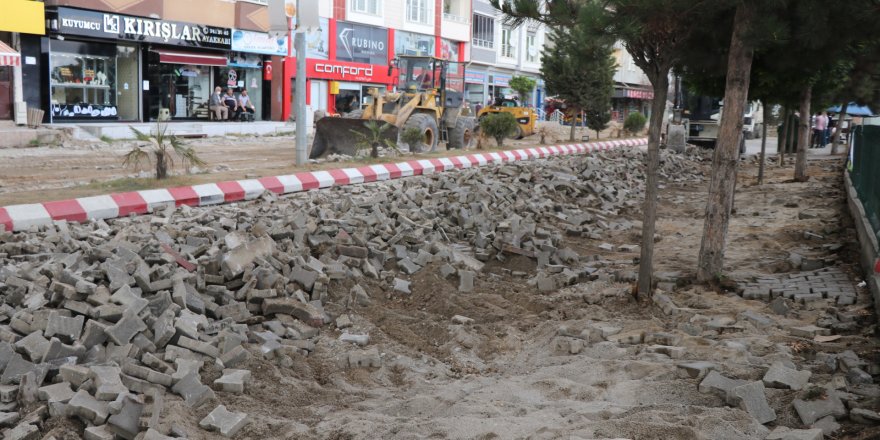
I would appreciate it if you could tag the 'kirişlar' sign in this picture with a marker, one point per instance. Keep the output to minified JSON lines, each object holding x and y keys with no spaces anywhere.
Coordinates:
{"x":123,"y":27}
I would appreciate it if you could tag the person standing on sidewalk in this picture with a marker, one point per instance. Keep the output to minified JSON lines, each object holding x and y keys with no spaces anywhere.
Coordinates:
{"x":819,"y":130}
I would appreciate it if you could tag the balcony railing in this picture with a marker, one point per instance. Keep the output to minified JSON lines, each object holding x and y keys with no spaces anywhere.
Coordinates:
{"x":456,"y":18}
{"x":488,"y":44}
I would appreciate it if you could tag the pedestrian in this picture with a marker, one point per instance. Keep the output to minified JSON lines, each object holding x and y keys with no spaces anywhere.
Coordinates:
{"x":232,"y":105}
{"x":829,"y":123}
{"x":479,"y":107}
{"x":246,"y":106}
{"x":215,"y":104}
{"x":821,"y":123}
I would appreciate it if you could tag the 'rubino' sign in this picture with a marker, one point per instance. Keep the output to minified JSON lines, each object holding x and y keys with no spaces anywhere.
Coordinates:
{"x":342,"y":71}
{"x":123,"y":27}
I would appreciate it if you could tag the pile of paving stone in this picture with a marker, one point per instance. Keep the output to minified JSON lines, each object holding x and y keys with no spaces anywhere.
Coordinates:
{"x":105,"y":322}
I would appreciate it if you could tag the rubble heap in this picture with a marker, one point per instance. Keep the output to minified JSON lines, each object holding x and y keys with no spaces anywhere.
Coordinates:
{"x":106,"y":321}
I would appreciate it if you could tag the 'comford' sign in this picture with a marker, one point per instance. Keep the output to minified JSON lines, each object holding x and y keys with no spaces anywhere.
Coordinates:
{"x":345,"y":72}
{"x":124,"y":27}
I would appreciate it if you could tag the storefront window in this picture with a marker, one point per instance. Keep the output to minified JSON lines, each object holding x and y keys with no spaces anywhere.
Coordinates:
{"x":240,"y":78}
{"x":184,"y":91}
{"x":83,"y":80}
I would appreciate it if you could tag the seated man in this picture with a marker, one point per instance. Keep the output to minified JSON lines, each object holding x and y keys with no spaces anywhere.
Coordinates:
{"x":215,"y":104}
{"x":246,"y":106}
{"x":232,"y":104}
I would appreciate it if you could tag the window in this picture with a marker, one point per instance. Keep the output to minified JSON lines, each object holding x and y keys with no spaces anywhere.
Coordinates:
{"x":531,"y":48}
{"x":484,"y":31}
{"x":508,"y":49}
{"x":417,"y":11}
{"x":365,"y":6}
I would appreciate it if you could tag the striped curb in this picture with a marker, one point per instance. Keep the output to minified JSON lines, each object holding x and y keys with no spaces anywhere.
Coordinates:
{"x":21,"y":217}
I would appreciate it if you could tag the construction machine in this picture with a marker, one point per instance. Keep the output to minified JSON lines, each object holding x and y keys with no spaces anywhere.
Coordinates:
{"x":525,"y":116}
{"x":429,"y":98}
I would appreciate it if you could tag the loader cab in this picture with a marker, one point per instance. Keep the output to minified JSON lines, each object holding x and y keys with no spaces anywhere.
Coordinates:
{"x":429,"y":74}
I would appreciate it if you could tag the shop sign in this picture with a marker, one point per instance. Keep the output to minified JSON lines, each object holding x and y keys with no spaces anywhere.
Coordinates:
{"x":316,"y":41}
{"x":473,"y":77}
{"x":349,"y":72}
{"x":500,"y":80}
{"x":149,"y":30}
{"x":23,"y":16}
{"x":258,"y":42}
{"x":361,"y":44}
{"x":633,"y":94}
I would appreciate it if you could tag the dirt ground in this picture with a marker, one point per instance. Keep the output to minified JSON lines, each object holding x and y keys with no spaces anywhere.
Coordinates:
{"x":504,"y":377}
{"x":77,"y":168}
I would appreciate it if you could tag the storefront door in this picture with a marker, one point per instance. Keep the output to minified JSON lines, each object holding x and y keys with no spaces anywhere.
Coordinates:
{"x":318,"y":96}
{"x":5,"y":92}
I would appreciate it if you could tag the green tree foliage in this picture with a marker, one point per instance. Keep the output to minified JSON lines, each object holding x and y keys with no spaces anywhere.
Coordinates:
{"x":374,"y":137}
{"x":578,"y":67}
{"x":598,"y":120}
{"x":635,"y":122}
{"x":523,"y":86}
{"x":498,"y":126}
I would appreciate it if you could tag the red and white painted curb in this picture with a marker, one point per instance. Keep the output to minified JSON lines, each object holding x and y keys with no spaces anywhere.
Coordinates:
{"x":20,"y":217}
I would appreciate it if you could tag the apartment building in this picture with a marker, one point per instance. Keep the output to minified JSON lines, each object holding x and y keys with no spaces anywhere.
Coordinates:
{"x":358,"y":40}
{"x":632,"y":90}
{"x":19,"y":17}
{"x":499,"y":52}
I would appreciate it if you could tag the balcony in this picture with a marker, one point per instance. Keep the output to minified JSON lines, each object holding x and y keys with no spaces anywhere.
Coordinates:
{"x":456,"y":18}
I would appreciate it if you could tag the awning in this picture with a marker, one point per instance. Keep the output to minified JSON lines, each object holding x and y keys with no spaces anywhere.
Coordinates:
{"x":8,"y":56}
{"x":853,"y":109}
{"x":199,"y":59}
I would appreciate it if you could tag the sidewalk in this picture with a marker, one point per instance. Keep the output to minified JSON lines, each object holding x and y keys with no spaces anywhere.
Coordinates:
{"x":14,"y":136}
{"x":20,"y":217}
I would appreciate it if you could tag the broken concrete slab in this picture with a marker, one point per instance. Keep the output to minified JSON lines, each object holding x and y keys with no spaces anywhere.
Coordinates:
{"x":812,"y":410}
{"x":751,"y":398}
{"x":780,"y":376}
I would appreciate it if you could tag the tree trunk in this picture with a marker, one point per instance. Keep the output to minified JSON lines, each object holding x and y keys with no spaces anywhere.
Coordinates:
{"x":649,"y":209}
{"x":763,"y":143}
{"x":835,"y":139}
{"x":375,"y":150}
{"x":161,"y":165}
{"x":780,"y":148}
{"x":574,"y":124}
{"x":800,"y":163}
{"x":723,"y":181}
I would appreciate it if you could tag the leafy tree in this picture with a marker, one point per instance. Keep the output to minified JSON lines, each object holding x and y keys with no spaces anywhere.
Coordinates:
{"x":163,"y":148}
{"x":578,"y":67}
{"x":499,"y":126}
{"x":634,"y":122}
{"x":598,"y":120}
{"x":523,"y":86}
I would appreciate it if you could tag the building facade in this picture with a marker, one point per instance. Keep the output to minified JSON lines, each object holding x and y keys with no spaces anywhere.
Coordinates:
{"x":500,"y":52}
{"x":632,"y":90}
{"x":147,"y":60}
{"x":354,"y":48}
{"x":19,"y":18}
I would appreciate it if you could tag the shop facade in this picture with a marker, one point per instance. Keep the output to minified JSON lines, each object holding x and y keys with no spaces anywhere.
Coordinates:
{"x":628,"y":99}
{"x":104,"y":66}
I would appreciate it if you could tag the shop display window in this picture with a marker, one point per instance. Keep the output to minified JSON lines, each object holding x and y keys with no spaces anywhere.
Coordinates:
{"x":83,"y":84}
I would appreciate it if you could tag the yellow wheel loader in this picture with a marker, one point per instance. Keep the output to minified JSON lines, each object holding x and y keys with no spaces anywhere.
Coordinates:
{"x":525,"y":116}
{"x":429,"y":99}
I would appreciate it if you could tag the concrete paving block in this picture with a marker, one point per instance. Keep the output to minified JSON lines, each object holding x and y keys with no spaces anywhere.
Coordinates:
{"x":122,"y":332}
{"x":59,"y":392}
{"x":88,"y":408}
{"x":864,"y":416}
{"x":466,"y":281}
{"x":233,"y":381}
{"x":365,"y":359}
{"x":152,"y":434}
{"x":812,"y":410}
{"x":784,"y":433}
{"x":305,"y":278}
{"x":94,"y":334}
{"x":8,"y":419}
{"x":290,"y":306}
{"x":18,"y":367}
{"x":228,"y":423}
{"x":857,"y":376}
{"x":751,"y":398}
{"x":108,"y":382}
{"x":58,"y":350}
{"x":809,"y":331}
{"x":8,"y":393}
{"x":68,"y":328}
{"x":74,"y":374}
{"x":401,"y":286}
{"x":828,"y":425}
{"x":34,"y":345}
{"x":98,"y":433}
{"x":235,"y":357}
{"x":127,"y":297}
{"x":199,"y":347}
{"x":697,"y":369}
{"x":192,"y":390}
{"x":24,"y":431}
{"x":631,"y":337}
{"x":126,"y":422}
{"x":780,"y":376}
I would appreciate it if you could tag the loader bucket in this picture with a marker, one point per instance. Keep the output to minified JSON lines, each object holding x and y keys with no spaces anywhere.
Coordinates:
{"x":336,"y":135}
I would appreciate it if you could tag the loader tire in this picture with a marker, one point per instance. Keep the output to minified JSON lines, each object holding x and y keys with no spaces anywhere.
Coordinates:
{"x":430,"y":135}
{"x":462,"y":135}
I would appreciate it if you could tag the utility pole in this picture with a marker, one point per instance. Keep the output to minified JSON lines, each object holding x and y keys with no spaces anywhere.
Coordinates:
{"x":299,"y":44}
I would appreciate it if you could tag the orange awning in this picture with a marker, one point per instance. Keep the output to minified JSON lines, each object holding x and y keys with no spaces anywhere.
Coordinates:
{"x":8,"y":56}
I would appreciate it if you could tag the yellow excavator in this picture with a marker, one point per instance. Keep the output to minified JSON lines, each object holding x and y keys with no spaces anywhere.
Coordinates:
{"x":427,"y":100}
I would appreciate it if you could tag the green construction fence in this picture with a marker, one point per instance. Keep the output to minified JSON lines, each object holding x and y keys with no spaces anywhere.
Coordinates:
{"x":864,"y":169}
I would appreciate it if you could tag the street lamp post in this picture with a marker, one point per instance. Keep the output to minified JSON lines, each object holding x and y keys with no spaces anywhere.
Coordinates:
{"x":299,"y":44}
